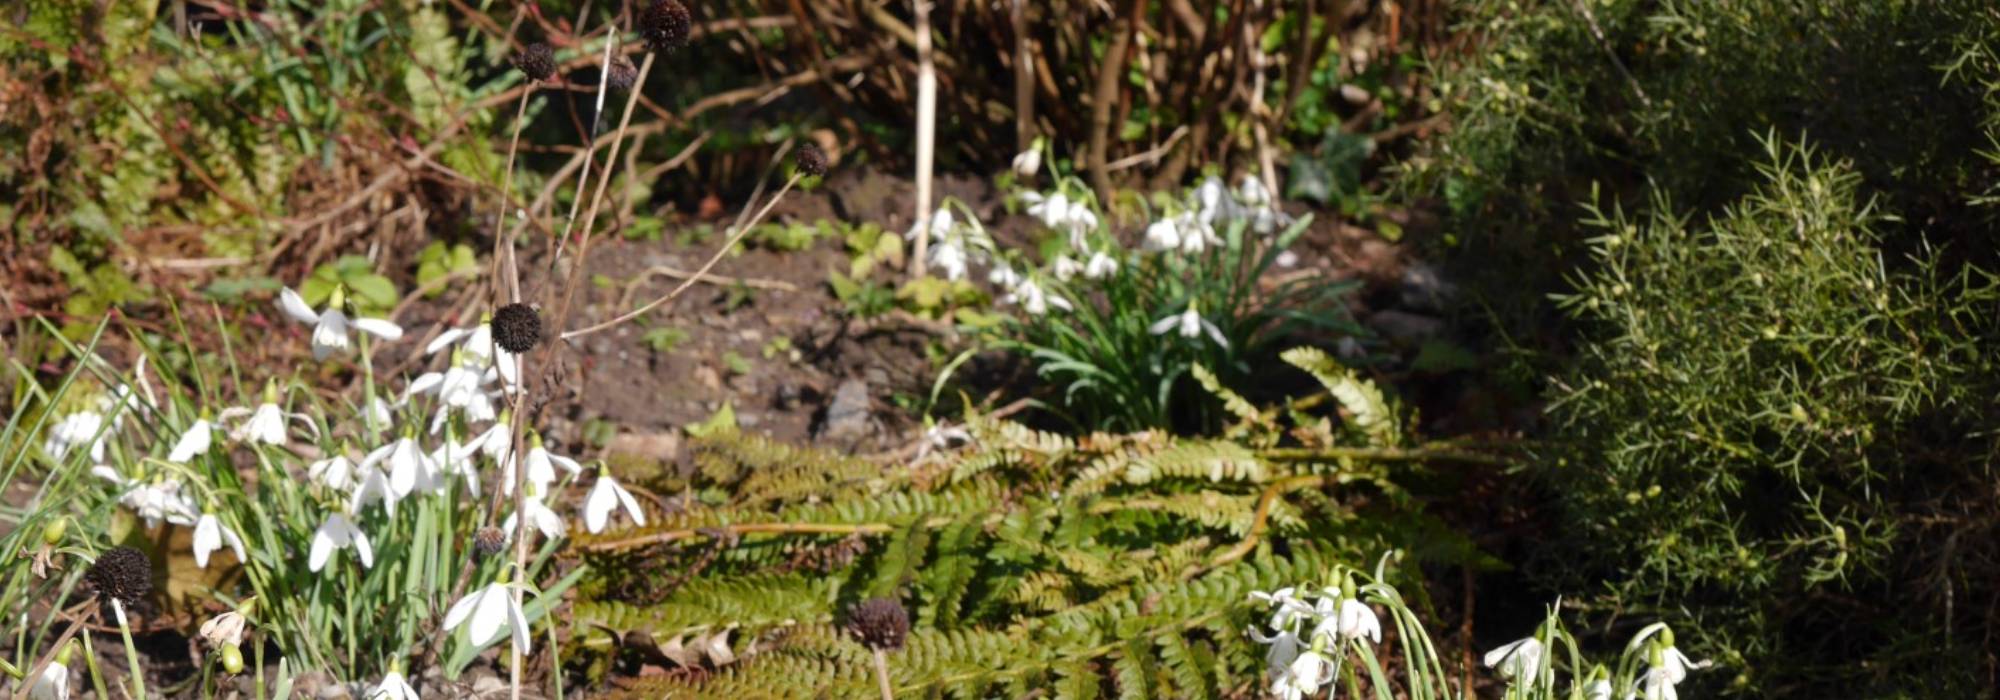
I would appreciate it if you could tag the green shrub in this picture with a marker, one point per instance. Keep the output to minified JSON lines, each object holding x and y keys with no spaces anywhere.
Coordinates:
{"x":1784,"y":428}
{"x":1673,"y":97}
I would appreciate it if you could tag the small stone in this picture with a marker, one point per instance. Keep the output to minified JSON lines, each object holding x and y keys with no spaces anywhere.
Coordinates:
{"x":1424,"y":289}
{"x":847,"y":414}
{"x":708,"y":378}
{"x":1405,"y":327}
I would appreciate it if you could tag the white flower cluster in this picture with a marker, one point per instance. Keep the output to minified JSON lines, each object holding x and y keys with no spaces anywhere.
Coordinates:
{"x":1526,"y":664}
{"x":1308,"y":635}
{"x":402,"y":467}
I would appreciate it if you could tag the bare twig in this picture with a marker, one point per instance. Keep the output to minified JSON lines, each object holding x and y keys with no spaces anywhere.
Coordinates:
{"x":1024,"y":78}
{"x":501,"y":244}
{"x":689,"y":281}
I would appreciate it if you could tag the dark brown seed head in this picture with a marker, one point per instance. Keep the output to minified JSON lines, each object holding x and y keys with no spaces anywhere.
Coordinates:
{"x":122,"y":573}
{"x":489,"y":540}
{"x":666,"y":25}
{"x":538,"y":61}
{"x":623,"y":74}
{"x":880,"y":623}
{"x":517,"y":328}
{"x":811,"y":160}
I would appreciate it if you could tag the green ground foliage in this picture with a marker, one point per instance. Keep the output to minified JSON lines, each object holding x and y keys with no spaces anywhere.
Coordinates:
{"x":1767,"y":225}
{"x":1027,"y":559}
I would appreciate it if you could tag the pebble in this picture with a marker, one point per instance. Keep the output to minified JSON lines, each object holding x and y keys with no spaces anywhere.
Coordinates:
{"x":847,"y":414}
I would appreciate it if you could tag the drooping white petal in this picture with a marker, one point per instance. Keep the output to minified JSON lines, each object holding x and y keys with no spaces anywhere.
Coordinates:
{"x":53,"y":684}
{"x":295,"y":307}
{"x":392,"y":687}
{"x":1521,"y":658}
{"x":444,"y":340}
{"x":374,"y":486}
{"x":194,"y":442}
{"x":491,"y":613}
{"x":330,"y":335}
{"x":207,"y":538}
{"x":379,"y":327}
{"x":605,"y":497}
{"x":1165,"y":324}
{"x":335,"y":472}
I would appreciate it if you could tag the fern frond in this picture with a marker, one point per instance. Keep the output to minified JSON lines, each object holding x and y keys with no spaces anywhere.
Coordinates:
{"x":1364,"y":402}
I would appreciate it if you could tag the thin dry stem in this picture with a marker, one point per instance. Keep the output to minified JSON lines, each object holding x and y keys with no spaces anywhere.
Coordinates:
{"x":926,"y":133}
{"x":596,"y":117}
{"x":501,"y":245}
{"x":597,"y":198}
{"x":882,"y":674}
{"x":734,"y":238}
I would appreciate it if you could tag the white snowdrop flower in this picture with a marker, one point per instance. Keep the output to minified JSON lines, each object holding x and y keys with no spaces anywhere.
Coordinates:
{"x":941,"y":223}
{"x":153,"y":502}
{"x":1659,"y":683}
{"x":1067,"y":268}
{"x":373,"y":486}
{"x":1028,"y":162}
{"x":53,"y":684}
{"x":1304,"y":677}
{"x":210,"y":535}
{"x":1003,"y":276}
{"x":337,"y":533}
{"x":1287,"y":607}
{"x":378,"y":415}
{"x":392,"y":687}
{"x":477,"y":344}
{"x":1196,"y":236}
{"x":266,"y":425}
{"x":330,"y":328}
{"x":1347,"y":619}
{"x":1100,"y":266}
{"x":193,"y":442}
{"x":1034,"y":300}
{"x":453,"y":459}
{"x":1052,"y":210}
{"x":490,"y":610}
{"x":1599,"y":689}
{"x":1253,"y":192}
{"x":540,"y":517}
{"x":1287,"y":259}
{"x":1284,"y":649}
{"x":1162,"y":235}
{"x":541,"y":464}
{"x":497,"y":441}
{"x":1519,"y":660}
{"x":1189,"y":324}
{"x":79,"y":428}
{"x":1669,"y":657}
{"x":1212,"y":200}
{"x":606,"y":497}
{"x":336,"y":472}
{"x":950,"y":258}
{"x":224,"y":630}
{"x":408,"y":467}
